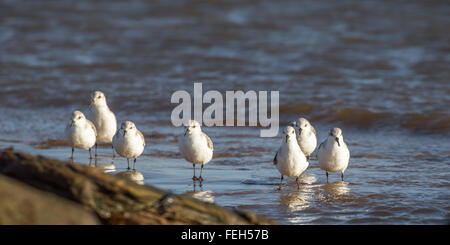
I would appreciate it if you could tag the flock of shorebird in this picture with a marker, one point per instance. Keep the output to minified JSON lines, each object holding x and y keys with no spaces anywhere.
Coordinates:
{"x":291,"y":159}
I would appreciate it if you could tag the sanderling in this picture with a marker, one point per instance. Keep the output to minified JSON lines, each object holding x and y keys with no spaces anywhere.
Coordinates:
{"x":333,"y":153}
{"x":129,"y":142}
{"x":196,"y":147}
{"x":306,"y":136}
{"x":81,"y":133}
{"x":103,"y":119}
{"x":289,"y":159}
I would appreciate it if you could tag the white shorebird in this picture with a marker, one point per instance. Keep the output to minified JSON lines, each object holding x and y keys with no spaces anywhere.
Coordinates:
{"x":129,"y":142}
{"x":196,"y":147}
{"x":306,"y":136}
{"x":289,"y":159}
{"x":333,"y":153}
{"x":81,"y":133}
{"x":103,"y":118}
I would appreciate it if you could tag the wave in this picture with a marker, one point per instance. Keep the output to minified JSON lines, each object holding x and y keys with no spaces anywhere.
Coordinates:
{"x":432,"y":122}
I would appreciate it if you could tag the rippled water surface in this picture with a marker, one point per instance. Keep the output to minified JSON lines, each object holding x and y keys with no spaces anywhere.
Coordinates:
{"x":377,"y":69}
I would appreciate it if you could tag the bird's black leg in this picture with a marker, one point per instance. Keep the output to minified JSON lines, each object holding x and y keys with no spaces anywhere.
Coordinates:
{"x":327,"y":175}
{"x":281,"y":182}
{"x":298,"y":184}
{"x":194,"y":177}
{"x":134,"y":165}
{"x":90,"y":155}
{"x":342,"y":176}
{"x":95,"y":150}
{"x":72,"y":153}
{"x":128,"y":160}
{"x":201,"y":170}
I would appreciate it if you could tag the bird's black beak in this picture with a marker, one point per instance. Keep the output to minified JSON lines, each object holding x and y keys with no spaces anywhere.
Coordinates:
{"x":337,"y":140}
{"x":187,"y":129}
{"x":124,"y":132}
{"x":299,"y":131}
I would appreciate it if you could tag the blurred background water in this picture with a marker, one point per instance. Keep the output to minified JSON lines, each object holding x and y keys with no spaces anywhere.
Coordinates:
{"x":380,"y":70}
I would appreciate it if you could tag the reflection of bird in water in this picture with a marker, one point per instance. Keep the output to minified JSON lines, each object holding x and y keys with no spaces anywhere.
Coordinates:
{"x":337,"y":188}
{"x":107,"y":167}
{"x":195,"y":186}
{"x":206,"y":196}
{"x":298,"y":200}
{"x":334,"y":190}
{"x":132,"y":175}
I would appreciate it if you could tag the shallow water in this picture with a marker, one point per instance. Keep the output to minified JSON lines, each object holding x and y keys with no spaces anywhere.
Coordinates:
{"x":379,"y":70}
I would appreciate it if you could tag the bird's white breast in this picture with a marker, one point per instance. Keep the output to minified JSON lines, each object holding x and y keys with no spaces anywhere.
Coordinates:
{"x":81,"y":136}
{"x":307,"y":142}
{"x":105,"y":122}
{"x":333,"y":158}
{"x":129,"y":146}
{"x":290,"y":159}
{"x":194,"y":148}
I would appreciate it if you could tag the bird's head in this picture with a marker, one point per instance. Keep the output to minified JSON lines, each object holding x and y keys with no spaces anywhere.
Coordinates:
{"x":127,"y":127}
{"x":192,"y":127}
{"x":303,"y":125}
{"x":336,"y":134}
{"x":289,"y":133}
{"x":98,"y":99}
{"x":77,"y":117}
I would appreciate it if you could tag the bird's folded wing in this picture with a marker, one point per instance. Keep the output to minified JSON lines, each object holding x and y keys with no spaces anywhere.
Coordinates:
{"x":321,"y":144}
{"x":314,"y":130}
{"x":92,"y":126}
{"x":208,"y":141}
{"x":141,"y":135}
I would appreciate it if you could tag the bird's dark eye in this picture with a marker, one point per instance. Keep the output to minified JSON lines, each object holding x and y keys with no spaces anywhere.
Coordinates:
{"x":306,"y":125}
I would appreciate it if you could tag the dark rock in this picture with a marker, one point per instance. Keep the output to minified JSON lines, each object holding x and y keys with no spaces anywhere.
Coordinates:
{"x":116,"y":200}
{"x":21,"y":204}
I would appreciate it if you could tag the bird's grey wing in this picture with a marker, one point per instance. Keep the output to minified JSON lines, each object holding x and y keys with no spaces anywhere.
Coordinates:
{"x":92,"y":126}
{"x":141,"y":135}
{"x":208,"y":141}
{"x":321,"y":145}
{"x":314,"y":130}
